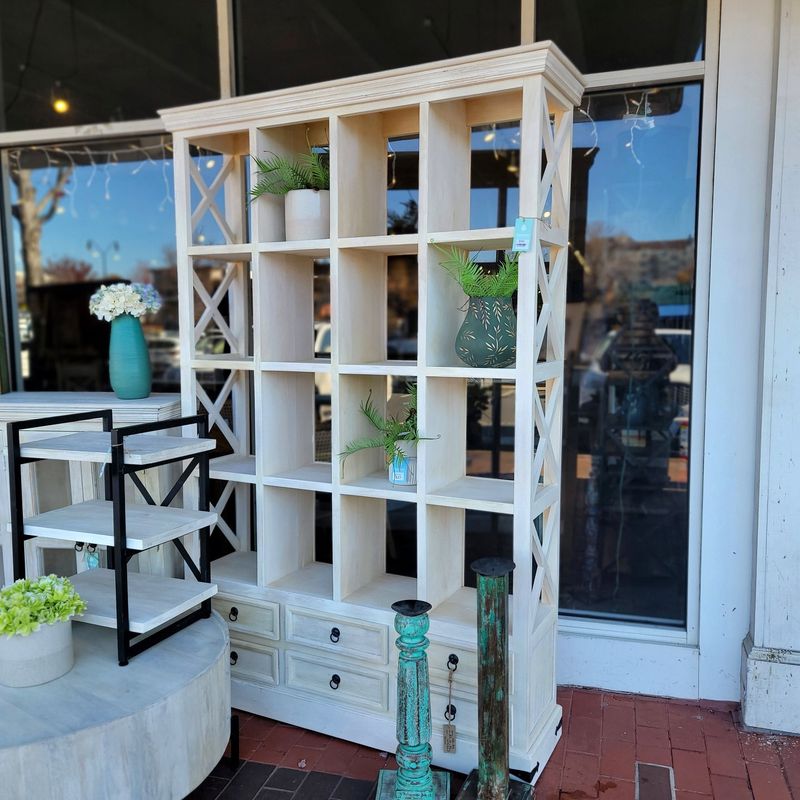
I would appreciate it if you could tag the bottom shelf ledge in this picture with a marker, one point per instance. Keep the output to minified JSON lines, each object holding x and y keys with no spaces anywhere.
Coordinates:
{"x":153,"y":600}
{"x":238,"y":567}
{"x":384,"y":591}
{"x":461,"y":608}
{"x":314,"y":579}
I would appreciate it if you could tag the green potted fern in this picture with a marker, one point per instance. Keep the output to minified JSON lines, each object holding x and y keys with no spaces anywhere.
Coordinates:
{"x":397,"y":436}
{"x":488,"y":335}
{"x":304,"y":181}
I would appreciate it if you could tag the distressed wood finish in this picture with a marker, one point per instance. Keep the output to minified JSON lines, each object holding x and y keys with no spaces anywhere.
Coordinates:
{"x":274,"y":350}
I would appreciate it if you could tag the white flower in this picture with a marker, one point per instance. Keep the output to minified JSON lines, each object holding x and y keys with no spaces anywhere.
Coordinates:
{"x":137,"y":299}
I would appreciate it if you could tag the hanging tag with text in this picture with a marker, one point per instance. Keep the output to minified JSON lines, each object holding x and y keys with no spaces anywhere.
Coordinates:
{"x":523,"y":235}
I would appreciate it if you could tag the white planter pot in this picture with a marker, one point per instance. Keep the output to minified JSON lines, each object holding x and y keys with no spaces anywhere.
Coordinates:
{"x":404,"y":473}
{"x":308,"y":214}
{"x":39,"y":658}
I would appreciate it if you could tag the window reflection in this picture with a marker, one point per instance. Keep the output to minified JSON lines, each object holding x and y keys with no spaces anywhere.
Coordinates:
{"x":629,"y":331}
{"x":85,"y":214}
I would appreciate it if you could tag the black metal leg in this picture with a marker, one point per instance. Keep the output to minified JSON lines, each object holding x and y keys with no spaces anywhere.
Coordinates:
{"x":120,"y":546}
{"x":17,"y":521}
{"x":234,"y":757}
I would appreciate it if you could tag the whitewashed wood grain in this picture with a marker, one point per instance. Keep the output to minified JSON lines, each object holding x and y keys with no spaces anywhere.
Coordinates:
{"x":92,"y":522}
{"x":152,"y":599}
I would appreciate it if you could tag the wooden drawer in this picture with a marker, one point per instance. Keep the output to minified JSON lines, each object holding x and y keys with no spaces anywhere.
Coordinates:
{"x":465,"y":678}
{"x":259,"y":620}
{"x":466,"y":720}
{"x":367,"y":641}
{"x":337,"y":683}
{"x":253,"y":662}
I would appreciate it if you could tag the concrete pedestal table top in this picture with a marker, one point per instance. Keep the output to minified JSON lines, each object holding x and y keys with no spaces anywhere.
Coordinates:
{"x":152,"y":730}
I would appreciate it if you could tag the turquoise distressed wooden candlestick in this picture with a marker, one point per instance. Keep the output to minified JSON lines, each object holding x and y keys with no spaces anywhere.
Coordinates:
{"x":414,"y":779}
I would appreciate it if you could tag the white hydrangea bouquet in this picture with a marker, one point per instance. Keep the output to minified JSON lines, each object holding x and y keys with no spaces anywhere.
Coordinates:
{"x":136,"y":299}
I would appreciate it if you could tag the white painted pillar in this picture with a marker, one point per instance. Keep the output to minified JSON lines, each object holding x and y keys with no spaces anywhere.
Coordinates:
{"x":771,"y":653}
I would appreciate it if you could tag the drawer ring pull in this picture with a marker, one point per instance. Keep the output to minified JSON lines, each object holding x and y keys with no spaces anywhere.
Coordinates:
{"x":233,"y":614}
{"x":450,"y":712}
{"x":452,"y":662}
{"x":334,"y":682}
{"x":234,"y":657}
{"x":335,"y":634}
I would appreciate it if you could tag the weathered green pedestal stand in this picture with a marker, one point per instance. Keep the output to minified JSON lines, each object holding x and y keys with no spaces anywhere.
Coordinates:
{"x":414,"y":779}
{"x":491,"y":780}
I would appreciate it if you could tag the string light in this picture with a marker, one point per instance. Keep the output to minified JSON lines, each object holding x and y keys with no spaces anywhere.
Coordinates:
{"x":60,"y":105}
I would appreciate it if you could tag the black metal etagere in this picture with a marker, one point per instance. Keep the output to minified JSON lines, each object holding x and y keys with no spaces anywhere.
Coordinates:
{"x":129,"y":643}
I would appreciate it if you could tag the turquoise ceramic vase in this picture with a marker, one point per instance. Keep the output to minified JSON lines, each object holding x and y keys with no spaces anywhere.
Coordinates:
{"x":128,"y":359}
{"x":488,"y":335}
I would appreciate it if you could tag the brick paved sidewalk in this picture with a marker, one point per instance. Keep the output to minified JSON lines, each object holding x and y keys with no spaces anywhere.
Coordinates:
{"x":604,"y":735}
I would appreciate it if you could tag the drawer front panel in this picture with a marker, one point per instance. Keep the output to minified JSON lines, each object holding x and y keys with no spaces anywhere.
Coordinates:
{"x":466,"y":720}
{"x":337,"y":683}
{"x":367,"y":641}
{"x":254,"y":662}
{"x":465,"y":677}
{"x":259,"y":620}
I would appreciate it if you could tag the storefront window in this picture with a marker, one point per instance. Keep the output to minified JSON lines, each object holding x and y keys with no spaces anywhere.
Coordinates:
{"x":86,"y":214}
{"x":623,"y":34}
{"x":90,"y":61}
{"x":630,"y":324}
{"x":291,"y":44}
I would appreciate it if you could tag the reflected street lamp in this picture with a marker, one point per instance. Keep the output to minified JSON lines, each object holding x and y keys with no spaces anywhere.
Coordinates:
{"x":102,"y":252}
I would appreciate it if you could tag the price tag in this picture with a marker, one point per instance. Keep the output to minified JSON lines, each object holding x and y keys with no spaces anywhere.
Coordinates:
{"x":449,"y":733}
{"x":523,"y":235}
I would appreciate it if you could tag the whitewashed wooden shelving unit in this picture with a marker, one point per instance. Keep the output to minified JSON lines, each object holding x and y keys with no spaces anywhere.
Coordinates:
{"x":295,"y":621}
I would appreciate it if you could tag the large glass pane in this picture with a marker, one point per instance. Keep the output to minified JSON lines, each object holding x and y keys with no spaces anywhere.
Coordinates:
{"x":630,"y":318}
{"x":623,"y":34}
{"x":89,"y":61}
{"x":290,"y":44}
{"x":86,"y":214}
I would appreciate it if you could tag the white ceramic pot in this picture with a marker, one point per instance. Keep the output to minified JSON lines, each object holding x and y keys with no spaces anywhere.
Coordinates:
{"x":41,"y":657}
{"x":308,"y":214}
{"x":404,"y":473}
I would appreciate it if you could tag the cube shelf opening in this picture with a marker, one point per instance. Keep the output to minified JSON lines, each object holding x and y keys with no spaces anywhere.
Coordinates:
{"x":267,"y":212}
{"x":379,"y":551}
{"x":301,"y":562}
{"x":385,"y":146}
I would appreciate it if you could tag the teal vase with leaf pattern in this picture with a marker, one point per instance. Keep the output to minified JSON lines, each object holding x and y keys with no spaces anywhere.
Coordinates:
{"x":488,"y":335}
{"x":128,"y":359}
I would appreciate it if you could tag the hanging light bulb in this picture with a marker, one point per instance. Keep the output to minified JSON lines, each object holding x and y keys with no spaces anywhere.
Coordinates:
{"x":58,"y":99}
{"x":211,"y":163}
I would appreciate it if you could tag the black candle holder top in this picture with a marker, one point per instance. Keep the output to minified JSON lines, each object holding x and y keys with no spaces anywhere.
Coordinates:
{"x":411,"y":608}
{"x":493,"y":566}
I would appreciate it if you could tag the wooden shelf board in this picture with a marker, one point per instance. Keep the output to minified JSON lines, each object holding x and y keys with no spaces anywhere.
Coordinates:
{"x":479,"y":494}
{"x":475,"y":373}
{"x":461,"y":608}
{"x":152,"y":599}
{"x":92,"y":522}
{"x":314,"y":579}
{"x":377,"y":485}
{"x":224,"y":361}
{"x":384,"y":591}
{"x":399,"y":245}
{"x":240,"y":468}
{"x":313,"y":477}
{"x":238,"y":567}
{"x":390,"y":367}
{"x":95,"y":447}
{"x":313,"y":248}
{"x":222,"y":252}
{"x":480,"y":239}
{"x":312,"y":365}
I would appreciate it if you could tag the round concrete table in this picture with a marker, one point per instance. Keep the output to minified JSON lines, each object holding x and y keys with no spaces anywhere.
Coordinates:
{"x":150,"y":731}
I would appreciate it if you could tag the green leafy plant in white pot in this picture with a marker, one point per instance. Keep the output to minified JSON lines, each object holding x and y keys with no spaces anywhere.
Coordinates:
{"x":36,"y":630}
{"x":304,"y":181}
{"x":397,"y":436}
